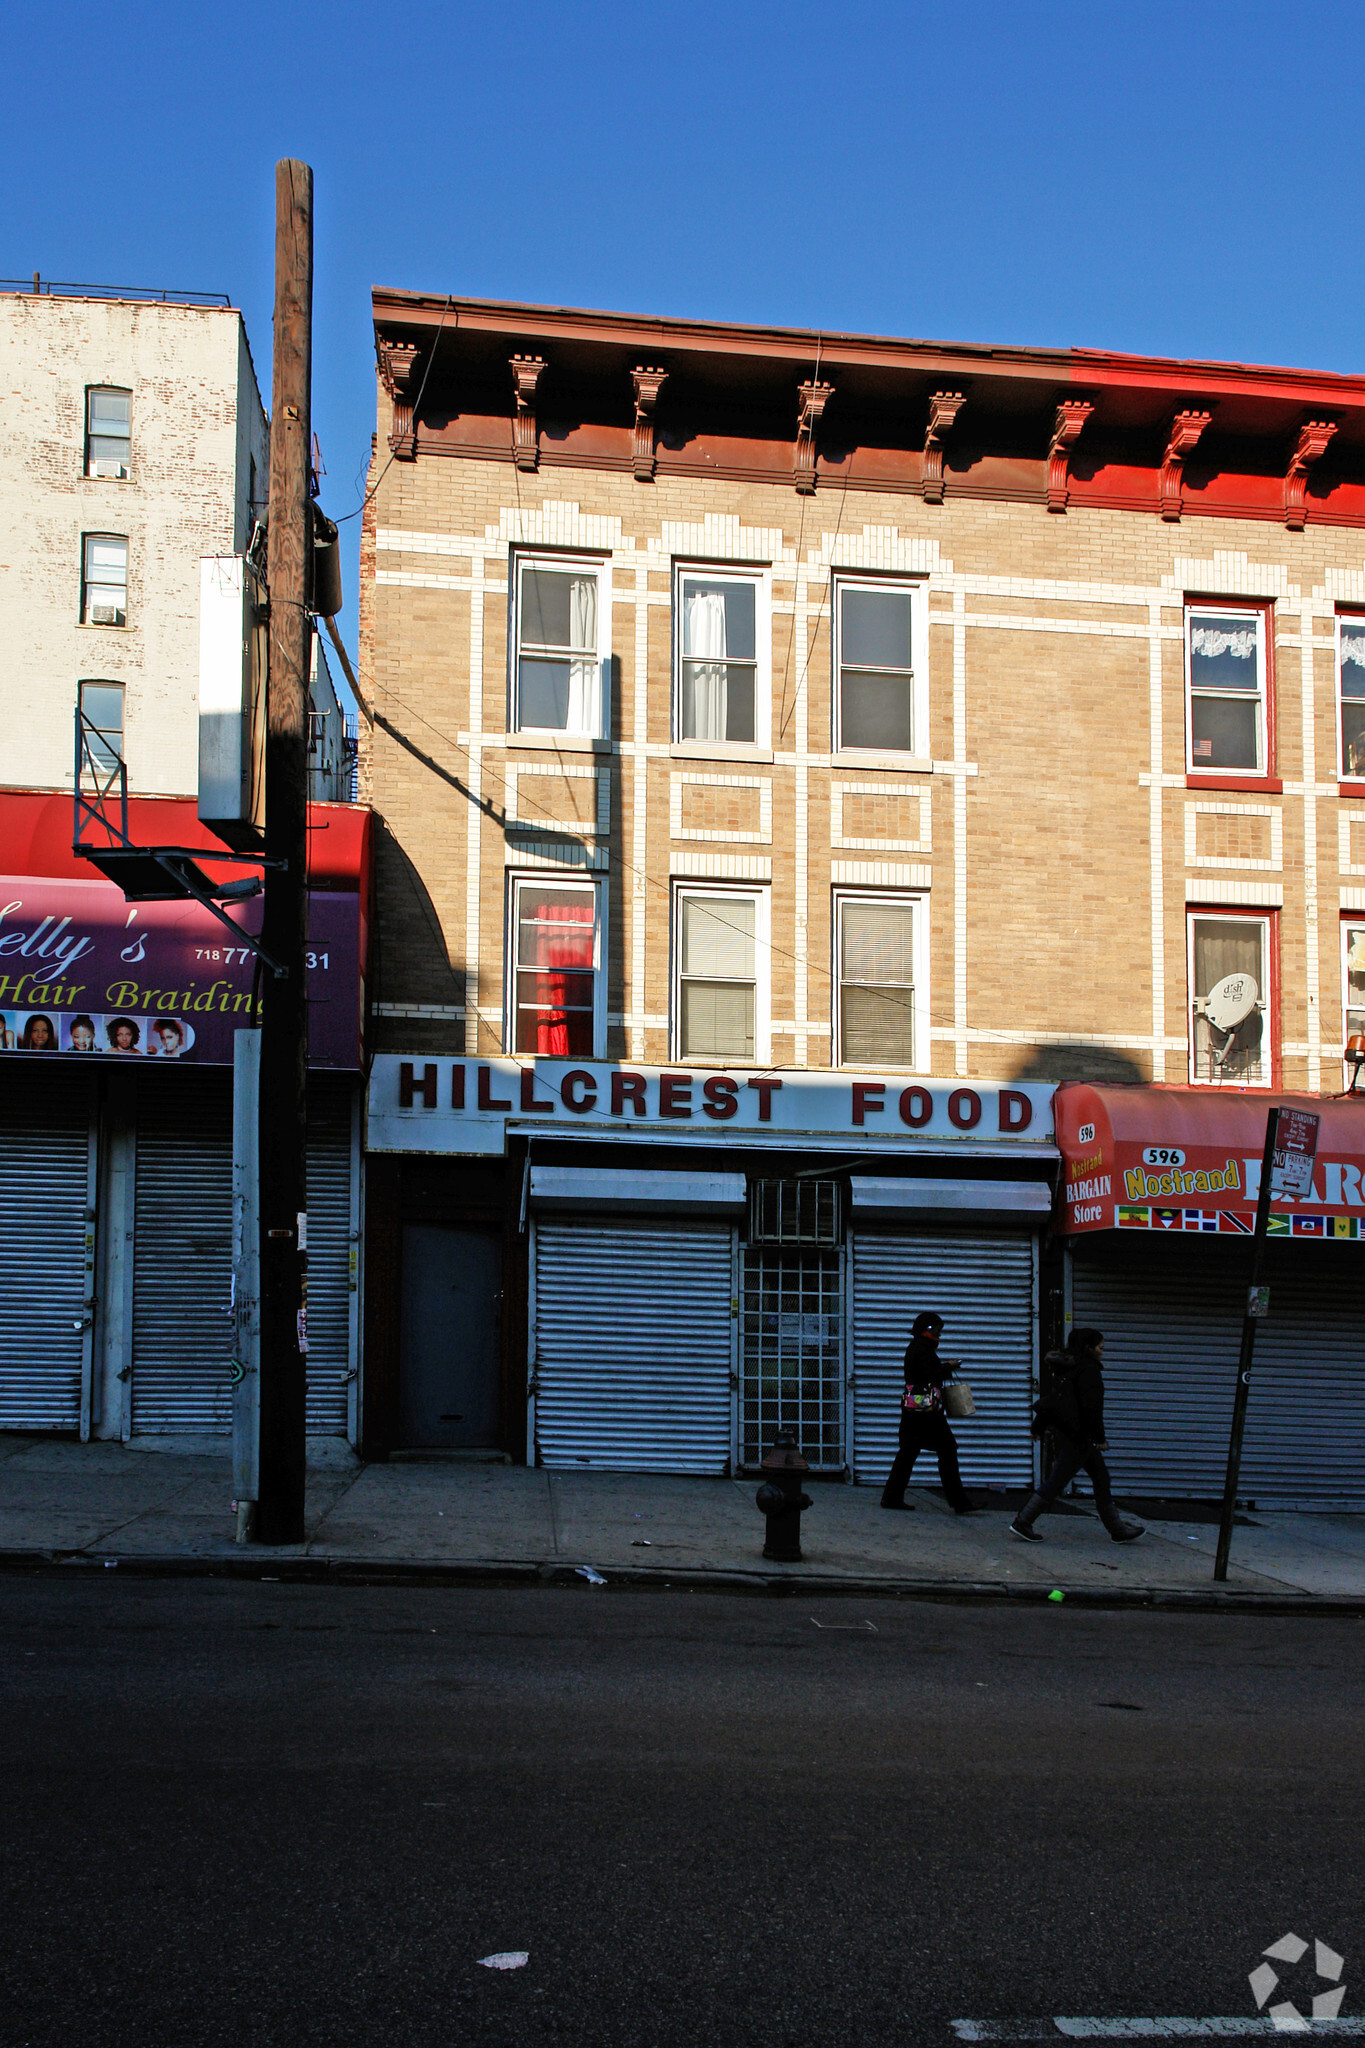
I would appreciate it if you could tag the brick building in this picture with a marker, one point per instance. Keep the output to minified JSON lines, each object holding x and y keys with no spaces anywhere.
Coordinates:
{"x":890,"y":730}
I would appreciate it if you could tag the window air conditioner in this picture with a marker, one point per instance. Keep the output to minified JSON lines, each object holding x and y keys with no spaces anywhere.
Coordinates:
{"x":107,"y":615}
{"x":112,"y":469}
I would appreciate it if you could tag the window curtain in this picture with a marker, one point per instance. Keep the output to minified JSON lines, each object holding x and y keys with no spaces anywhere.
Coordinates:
{"x":706,"y":675}
{"x":563,"y":964}
{"x":583,"y":669}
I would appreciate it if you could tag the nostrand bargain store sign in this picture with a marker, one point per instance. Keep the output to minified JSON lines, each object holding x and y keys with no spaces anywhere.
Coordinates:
{"x":421,"y":1104}
{"x":1189,"y":1159}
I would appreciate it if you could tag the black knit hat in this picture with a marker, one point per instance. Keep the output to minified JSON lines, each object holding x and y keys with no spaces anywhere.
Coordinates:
{"x":927,"y":1321}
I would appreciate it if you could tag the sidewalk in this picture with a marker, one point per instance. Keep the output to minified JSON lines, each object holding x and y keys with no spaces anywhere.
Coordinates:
{"x":160,"y":1509}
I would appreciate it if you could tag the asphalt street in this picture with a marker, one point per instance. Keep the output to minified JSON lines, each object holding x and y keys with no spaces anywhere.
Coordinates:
{"x":259,"y":1813}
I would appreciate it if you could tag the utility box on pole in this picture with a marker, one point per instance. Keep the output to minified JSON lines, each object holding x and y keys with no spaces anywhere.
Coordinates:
{"x":232,"y":693}
{"x":246,"y":1279}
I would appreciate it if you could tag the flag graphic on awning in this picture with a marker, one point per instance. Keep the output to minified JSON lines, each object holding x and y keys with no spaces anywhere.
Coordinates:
{"x":1201,"y":1219}
{"x":1131,"y":1218}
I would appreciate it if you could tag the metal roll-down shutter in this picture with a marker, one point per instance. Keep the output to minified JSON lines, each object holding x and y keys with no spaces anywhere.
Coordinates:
{"x":633,"y":1345}
{"x":1171,"y":1312}
{"x":983,"y":1287}
{"x":329,"y":1252}
{"x":182,"y":1254}
{"x":46,"y":1242}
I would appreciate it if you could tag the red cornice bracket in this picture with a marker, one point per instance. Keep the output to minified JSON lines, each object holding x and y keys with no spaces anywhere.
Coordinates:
{"x":1182,"y":440}
{"x":397,"y":362}
{"x":944,"y":407}
{"x":1313,"y":438}
{"x":1072,"y":414}
{"x":527,"y":372}
{"x":648,"y":384}
{"x":814,"y":398}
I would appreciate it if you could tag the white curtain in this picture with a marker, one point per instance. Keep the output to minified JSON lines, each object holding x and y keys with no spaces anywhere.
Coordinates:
{"x":706,"y":674}
{"x":583,"y":672}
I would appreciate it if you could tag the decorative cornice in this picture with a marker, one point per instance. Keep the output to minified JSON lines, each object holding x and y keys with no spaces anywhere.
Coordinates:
{"x":648,"y":384}
{"x":944,"y":407}
{"x":814,"y":398}
{"x":397,"y":362}
{"x":1072,"y":414}
{"x":1313,"y":438}
{"x":527,"y":372}
{"x":1182,"y":440}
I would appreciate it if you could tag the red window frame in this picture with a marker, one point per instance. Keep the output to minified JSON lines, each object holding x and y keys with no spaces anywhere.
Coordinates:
{"x":1269,"y":914}
{"x":1269,"y":783}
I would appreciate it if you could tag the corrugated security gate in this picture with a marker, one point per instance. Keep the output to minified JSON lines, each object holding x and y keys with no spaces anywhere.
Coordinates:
{"x":984,"y":1288}
{"x":633,"y":1341}
{"x":1171,"y":1313}
{"x":47,"y":1159}
{"x":182,"y":1259}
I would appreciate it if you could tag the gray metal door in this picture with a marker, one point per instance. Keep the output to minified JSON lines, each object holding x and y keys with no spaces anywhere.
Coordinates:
{"x":984,"y":1288}
{"x":47,"y":1244}
{"x":448,"y":1358}
{"x":633,"y":1345}
{"x":1171,"y":1312}
{"x":329,"y":1252}
{"x":182,"y":1255}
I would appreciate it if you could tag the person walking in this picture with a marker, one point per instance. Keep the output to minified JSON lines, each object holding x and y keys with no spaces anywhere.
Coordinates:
{"x":924,"y":1425}
{"x":1074,"y":1411}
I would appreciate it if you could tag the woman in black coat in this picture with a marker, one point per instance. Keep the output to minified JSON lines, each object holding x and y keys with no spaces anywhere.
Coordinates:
{"x":924,"y":1425}
{"x":1074,"y":1412}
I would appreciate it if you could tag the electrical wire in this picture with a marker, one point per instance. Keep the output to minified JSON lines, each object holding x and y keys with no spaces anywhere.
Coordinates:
{"x":416,"y":405}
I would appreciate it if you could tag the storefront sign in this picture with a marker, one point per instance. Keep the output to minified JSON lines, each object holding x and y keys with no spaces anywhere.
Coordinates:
{"x":466,"y":1105}
{"x":1189,"y":1159}
{"x":84,"y":973}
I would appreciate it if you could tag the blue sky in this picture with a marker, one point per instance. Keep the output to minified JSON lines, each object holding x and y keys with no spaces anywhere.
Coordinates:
{"x":1176,"y":179}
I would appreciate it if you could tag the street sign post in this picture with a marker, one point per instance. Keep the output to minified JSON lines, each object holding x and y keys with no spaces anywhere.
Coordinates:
{"x":1291,"y":1146}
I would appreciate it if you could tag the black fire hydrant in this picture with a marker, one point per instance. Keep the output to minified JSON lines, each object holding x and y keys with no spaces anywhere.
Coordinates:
{"x":781,"y":1499}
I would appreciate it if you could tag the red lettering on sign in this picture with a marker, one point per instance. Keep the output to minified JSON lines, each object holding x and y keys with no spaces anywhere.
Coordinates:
{"x":487,"y":1099}
{"x":627,"y":1088}
{"x":916,"y":1107}
{"x":964,"y":1109}
{"x":675,"y":1095}
{"x":765,"y":1089}
{"x":457,"y":1086}
{"x":867,"y":1095}
{"x":409,"y":1086}
{"x":570,"y":1087}
{"x":720,"y":1097}
{"x":529,"y":1100}
{"x":1016,"y":1111}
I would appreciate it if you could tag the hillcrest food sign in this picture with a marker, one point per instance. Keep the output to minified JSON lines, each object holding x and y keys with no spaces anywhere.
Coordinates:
{"x":1189,"y":1159}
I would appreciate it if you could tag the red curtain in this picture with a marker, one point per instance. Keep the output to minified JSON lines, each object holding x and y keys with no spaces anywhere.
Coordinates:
{"x":555,"y":982}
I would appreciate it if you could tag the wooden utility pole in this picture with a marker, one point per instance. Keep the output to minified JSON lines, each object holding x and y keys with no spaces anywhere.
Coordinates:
{"x":284,"y":932}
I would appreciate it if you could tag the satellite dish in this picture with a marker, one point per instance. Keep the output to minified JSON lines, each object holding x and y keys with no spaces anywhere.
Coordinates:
{"x":1230,"y":1002}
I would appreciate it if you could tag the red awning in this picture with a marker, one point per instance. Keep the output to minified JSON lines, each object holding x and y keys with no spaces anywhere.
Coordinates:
{"x":1189,"y":1159}
{"x":36,"y":832}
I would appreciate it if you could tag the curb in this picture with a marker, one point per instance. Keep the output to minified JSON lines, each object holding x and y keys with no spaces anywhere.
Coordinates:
{"x":304,"y":1570}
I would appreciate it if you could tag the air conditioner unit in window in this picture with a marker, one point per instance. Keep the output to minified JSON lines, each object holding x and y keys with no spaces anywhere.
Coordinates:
{"x":111,"y":469}
{"x":107,"y":615}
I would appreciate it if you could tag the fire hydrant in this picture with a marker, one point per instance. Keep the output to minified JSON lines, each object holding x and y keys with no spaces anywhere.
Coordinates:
{"x":782,"y":1501}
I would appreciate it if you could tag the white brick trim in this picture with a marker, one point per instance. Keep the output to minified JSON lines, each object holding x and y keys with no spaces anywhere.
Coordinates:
{"x":719,"y":867}
{"x":1215,"y":889}
{"x":839,"y":790}
{"x":679,"y":779}
{"x":879,"y":874}
{"x":1195,"y":811}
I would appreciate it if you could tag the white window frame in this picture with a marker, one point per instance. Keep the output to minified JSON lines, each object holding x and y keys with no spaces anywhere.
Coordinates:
{"x":107,"y":474}
{"x":566,"y":879}
{"x":88,"y":588}
{"x":1254,"y":615}
{"x":760,"y":895}
{"x":1228,"y":914}
{"x":917,"y":588}
{"x":98,"y":764}
{"x":1356,"y":619}
{"x":762,"y":581}
{"x":597,"y":565}
{"x":916,"y":901}
{"x":1349,"y":926}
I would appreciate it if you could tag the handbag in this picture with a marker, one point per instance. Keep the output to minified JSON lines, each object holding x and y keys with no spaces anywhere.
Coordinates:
{"x":957,"y":1401}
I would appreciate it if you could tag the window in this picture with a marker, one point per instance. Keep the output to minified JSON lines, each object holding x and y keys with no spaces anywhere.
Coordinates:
{"x":556,"y":970}
{"x":1351,"y":681}
{"x":722,"y":956}
{"x":108,"y":431}
{"x":563,"y":618}
{"x":722,"y":628}
{"x":1229,"y":999}
{"x":877,"y":633}
{"x":102,"y":708}
{"x":877,"y":940}
{"x":104,"y":580}
{"x":1225,"y":654}
{"x":1353,"y":983}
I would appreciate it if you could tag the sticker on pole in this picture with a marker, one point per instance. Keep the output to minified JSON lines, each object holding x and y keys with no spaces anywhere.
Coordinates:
{"x":1258,"y":1301}
{"x":1296,"y":1151}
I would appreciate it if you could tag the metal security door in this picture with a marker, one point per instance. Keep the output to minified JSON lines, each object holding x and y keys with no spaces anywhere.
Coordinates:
{"x":330,"y":1266}
{"x":633,"y":1346}
{"x":985,"y":1288}
{"x":47,"y":1245}
{"x":1171,"y":1312}
{"x":182,"y":1255}
{"x":792,"y":1376}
